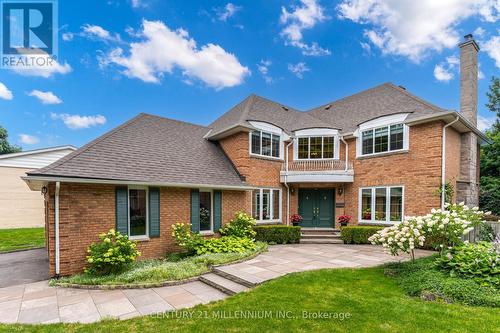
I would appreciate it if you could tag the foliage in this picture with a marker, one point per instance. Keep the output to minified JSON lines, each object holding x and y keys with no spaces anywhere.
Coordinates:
{"x":489,"y":195}
{"x":443,"y":228}
{"x":448,"y":192}
{"x":21,"y":239}
{"x":225,"y":244}
{"x":5,"y":146}
{"x":185,"y":238}
{"x":480,"y":261}
{"x":344,"y":219}
{"x":241,"y":226}
{"x":422,"y":278}
{"x":358,"y":234}
{"x":111,"y":254}
{"x":161,"y":270}
{"x":494,"y":97}
{"x":486,"y":233}
{"x":277,"y":234}
{"x":295,"y":218}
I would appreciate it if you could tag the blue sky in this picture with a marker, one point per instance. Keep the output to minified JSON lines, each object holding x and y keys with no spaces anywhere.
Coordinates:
{"x":193,"y":60}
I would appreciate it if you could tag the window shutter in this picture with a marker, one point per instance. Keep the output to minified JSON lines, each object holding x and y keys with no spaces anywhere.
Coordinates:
{"x":195,"y":210}
{"x":217,"y":210}
{"x":122,"y":210}
{"x":154,"y":212}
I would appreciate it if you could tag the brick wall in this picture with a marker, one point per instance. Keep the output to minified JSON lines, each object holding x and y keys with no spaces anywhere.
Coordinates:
{"x":86,"y":210}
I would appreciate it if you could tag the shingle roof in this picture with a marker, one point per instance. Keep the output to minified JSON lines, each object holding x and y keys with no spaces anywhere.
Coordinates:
{"x":150,"y":149}
{"x":261,"y":109}
{"x":347,"y":113}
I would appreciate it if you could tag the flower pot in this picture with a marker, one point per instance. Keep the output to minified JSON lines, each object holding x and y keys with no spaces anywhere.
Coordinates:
{"x":343,"y":224}
{"x":295,"y":224}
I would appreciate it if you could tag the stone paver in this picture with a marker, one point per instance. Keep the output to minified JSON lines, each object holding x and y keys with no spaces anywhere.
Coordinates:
{"x":38,"y":303}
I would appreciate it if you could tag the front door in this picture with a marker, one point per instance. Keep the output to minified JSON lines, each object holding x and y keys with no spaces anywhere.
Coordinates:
{"x":316,"y":208}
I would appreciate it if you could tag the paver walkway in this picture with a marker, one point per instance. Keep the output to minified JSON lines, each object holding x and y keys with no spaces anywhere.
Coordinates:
{"x":39,"y":303}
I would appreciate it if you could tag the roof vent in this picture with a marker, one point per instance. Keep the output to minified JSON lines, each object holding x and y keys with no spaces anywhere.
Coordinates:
{"x":328,"y":107}
{"x":402,"y":87}
{"x":284,"y":108}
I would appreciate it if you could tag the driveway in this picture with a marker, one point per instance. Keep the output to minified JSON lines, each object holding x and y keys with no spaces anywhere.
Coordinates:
{"x":23,"y":267}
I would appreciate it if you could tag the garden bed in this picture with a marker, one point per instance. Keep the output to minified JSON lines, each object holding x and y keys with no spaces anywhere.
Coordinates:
{"x":158,"y":272}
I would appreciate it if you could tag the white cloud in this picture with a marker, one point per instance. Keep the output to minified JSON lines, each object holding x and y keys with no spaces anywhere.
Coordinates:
{"x":74,"y":121}
{"x":298,"y":69}
{"x":67,"y":36}
{"x":492,"y":48}
{"x":48,"y":67}
{"x":162,"y":50}
{"x":303,"y":17}
{"x":412,"y":29}
{"x":444,"y":71}
{"x":263,"y":68}
{"x":484,"y":123}
{"x":479,"y":32}
{"x":480,"y":74}
{"x":223,"y":13}
{"x":367,"y":49}
{"x":98,"y":32}
{"x":46,"y":97}
{"x":28,"y":139}
{"x":5,"y":93}
{"x":136,"y":3}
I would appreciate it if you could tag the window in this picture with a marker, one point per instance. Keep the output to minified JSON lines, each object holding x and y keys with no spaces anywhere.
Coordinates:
{"x":265,"y":144}
{"x":382,"y":139}
{"x":381,"y":204}
{"x":138,"y":212}
{"x":266,"y":205}
{"x":315,"y":147}
{"x":205,"y":211}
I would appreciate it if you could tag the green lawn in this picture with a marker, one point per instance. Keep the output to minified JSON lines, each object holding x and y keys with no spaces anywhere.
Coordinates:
{"x":373,"y":301}
{"x":21,"y":239}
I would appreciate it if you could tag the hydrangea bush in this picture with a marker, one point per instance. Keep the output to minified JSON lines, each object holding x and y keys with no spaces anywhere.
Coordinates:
{"x":441,"y":228}
{"x":241,"y":226}
{"x":111,"y":254}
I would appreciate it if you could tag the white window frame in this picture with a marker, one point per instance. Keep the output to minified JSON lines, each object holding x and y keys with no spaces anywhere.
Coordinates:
{"x":264,"y":127}
{"x":134,"y":187}
{"x":280,"y":157}
{"x":211,"y":231}
{"x":405,"y":140}
{"x":387,"y":204}
{"x":260,"y":220}
{"x":336,"y":148}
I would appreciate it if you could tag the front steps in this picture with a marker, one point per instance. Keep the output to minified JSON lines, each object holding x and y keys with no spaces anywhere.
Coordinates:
{"x":229,"y":283}
{"x":320,"y":236}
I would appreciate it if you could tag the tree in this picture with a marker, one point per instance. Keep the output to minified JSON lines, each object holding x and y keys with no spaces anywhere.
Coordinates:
{"x":489,"y":198}
{"x":5,"y":146}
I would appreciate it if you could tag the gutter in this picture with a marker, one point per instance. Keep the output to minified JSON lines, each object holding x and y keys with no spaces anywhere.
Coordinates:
{"x":443,"y":161}
{"x":286,"y":184}
{"x":346,"y":153}
{"x":56,"y":222}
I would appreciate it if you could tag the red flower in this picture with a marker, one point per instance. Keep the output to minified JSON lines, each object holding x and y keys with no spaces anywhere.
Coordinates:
{"x":344,"y":219}
{"x":295,"y":218}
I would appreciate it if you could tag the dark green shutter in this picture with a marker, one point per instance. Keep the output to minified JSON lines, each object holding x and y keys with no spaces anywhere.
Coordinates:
{"x":122,"y":210}
{"x":195,"y":210}
{"x":217,"y":210}
{"x":154,"y":212}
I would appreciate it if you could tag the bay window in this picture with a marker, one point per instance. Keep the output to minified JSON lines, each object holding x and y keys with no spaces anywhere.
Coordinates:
{"x":382,"y":139}
{"x":265,"y":144}
{"x":266,"y":205}
{"x":315,"y":147}
{"x":381,"y":204}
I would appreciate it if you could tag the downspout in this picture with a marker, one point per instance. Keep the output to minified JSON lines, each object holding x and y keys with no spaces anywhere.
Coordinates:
{"x":346,"y":153}
{"x":443,"y":162}
{"x":286,"y":184}
{"x":56,"y":222}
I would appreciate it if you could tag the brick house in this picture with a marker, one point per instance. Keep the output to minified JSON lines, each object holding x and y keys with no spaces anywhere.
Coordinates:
{"x":377,"y":155}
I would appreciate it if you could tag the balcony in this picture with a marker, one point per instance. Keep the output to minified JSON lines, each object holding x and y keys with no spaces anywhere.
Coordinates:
{"x":317,"y":171}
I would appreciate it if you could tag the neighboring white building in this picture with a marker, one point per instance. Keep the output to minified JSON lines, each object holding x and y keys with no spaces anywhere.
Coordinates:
{"x":19,"y":206}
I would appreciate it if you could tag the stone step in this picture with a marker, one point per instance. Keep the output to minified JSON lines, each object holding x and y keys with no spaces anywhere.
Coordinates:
{"x":223,"y":284}
{"x":319,"y":231}
{"x":319,"y":235}
{"x":245,"y":279}
{"x":321,"y":241}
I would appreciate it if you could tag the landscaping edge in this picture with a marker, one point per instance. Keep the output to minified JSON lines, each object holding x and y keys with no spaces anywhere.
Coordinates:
{"x":22,"y":250}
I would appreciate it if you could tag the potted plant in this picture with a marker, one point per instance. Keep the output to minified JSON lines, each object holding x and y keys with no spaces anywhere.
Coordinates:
{"x":344,"y":220}
{"x":295,"y":219}
{"x":367,"y":214}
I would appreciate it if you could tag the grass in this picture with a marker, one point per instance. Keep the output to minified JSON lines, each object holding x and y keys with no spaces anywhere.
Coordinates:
{"x":371,"y":302}
{"x":423,"y":278}
{"x":21,"y":239}
{"x":156,"y":271}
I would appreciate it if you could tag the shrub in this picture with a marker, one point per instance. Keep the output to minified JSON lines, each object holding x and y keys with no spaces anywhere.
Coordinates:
{"x":277,"y":234}
{"x":479,"y":261}
{"x":486,"y":233}
{"x":358,"y":234}
{"x":226,"y":244}
{"x":241,"y":226}
{"x":185,"y":238}
{"x":111,"y":254}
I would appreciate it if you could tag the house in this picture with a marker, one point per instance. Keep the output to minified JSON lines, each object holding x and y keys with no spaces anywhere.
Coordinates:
{"x":20,"y":207}
{"x":377,"y":155}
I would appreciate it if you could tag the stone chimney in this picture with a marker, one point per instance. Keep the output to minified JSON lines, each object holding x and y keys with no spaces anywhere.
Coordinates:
{"x":468,"y":78}
{"x":468,"y":183}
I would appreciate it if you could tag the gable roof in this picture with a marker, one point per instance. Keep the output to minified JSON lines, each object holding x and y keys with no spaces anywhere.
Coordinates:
{"x":385,"y":99}
{"x":261,"y":109}
{"x":149,"y":149}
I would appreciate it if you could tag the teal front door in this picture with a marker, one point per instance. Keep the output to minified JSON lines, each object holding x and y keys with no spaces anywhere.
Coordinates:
{"x":316,"y":206}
